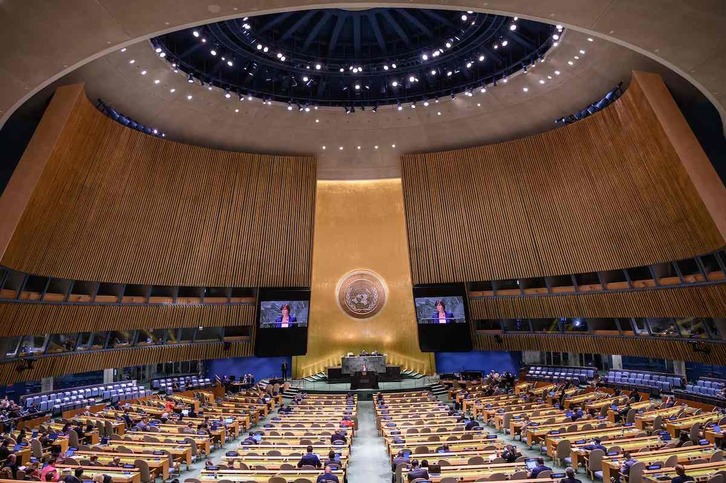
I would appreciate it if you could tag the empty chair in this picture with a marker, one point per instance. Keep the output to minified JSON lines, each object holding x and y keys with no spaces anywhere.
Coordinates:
{"x":636,"y":472}
{"x":476,"y":460}
{"x":499,"y":477}
{"x":544,"y":474}
{"x":594,"y":464}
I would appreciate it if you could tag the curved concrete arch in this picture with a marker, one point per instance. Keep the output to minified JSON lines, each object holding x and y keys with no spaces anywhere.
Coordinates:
{"x":42,"y":41}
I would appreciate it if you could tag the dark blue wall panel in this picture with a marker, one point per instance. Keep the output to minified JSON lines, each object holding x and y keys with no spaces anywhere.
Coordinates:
{"x":694,"y":371}
{"x":260,"y":367}
{"x":478,"y":361}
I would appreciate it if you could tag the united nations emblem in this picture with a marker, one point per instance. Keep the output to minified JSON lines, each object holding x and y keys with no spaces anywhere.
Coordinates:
{"x":361,"y":294}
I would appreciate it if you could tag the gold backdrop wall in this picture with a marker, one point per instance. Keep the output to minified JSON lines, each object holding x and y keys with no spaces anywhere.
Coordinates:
{"x":361,"y":225}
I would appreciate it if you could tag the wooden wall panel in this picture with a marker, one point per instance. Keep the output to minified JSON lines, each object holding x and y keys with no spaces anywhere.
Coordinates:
{"x":116,"y":205}
{"x":98,"y":360}
{"x":32,"y":319}
{"x":603,"y":193}
{"x":656,"y":348}
{"x":700,"y":301}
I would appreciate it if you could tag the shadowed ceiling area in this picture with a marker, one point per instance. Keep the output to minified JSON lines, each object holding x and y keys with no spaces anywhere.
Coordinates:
{"x":357,"y":58}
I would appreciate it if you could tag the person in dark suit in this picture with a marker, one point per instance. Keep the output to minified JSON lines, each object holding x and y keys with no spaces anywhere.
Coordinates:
{"x":283,"y":370}
{"x":417,"y":472}
{"x":570,"y":476}
{"x":309,"y":458}
{"x":541,"y":466}
{"x":441,"y":316}
{"x":338,"y":436}
{"x":285,"y":319}
{"x":596,"y":444}
{"x":681,"y":476}
{"x":327,"y":476}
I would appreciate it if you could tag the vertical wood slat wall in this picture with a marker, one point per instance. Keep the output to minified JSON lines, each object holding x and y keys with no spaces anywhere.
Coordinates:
{"x":94,"y":361}
{"x":656,"y":348}
{"x":705,"y":301}
{"x":604,"y":193}
{"x":30,"y":319}
{"x":116,"y":205}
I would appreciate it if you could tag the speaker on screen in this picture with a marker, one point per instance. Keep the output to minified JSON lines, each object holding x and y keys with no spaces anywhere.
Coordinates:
{"x":443,"y":318}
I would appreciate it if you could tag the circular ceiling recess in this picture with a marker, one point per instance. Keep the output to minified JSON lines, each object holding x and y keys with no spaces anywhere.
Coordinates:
{"x":357,"y":59}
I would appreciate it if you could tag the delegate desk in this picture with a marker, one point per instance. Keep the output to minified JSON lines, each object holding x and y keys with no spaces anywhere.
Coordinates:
{"x":351,"y":365}
{"x":118,"y":475}
{"x":467,"y":473}
{"x":611,"y":464}
{"x":263,"y":475}
{"x":701,"y":472}
{"x":158,"y":464}
{"x":580,"y":455}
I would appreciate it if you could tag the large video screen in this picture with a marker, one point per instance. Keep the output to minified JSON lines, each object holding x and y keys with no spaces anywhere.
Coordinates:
{"x":283,"y":314}
{"x":440,"y":310}
{"x":442,"y":316}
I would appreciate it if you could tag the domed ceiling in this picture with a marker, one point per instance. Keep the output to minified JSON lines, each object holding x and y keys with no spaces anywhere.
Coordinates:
{"x":357,"y":59}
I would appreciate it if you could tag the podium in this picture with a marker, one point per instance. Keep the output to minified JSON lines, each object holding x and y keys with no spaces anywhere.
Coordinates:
{"x":364,"y":380}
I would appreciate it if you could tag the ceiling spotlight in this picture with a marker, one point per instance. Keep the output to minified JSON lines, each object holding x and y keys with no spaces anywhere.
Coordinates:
{"x":341,"y":148}
{"x":324,"y":148}
{"x":307,"y":109}
{"x":541,"y":81}
{"x":433,"y":71}
{"x":204,"y":41}
{"x":453,"y":96}
{"x":358,"y":147}
{"x":374,"y":109}
{"x":162,"y":55}
{"x":158,"y":49}
{"x":577,"y":57}
{"x":305,"y":78}
{"x":426,"y":103}
{"x":259,"y":46}
{"x":468,"y":65}
{"x":279,"y":55}
{"x":463,"y":18}
{"x":557,"y":72}
{"x":412,"y":79}
{"x":582,"y":52}
{"x":229,"y":63}
{"x":393,"y":146}
{"x":357,"y":87}
{"x":341,"y":69}
{"x":570,"y":62}
{"x":513,"y":27}
{"x":317,"y":121}
{"x":413,"y":105}
{"x":525,"y":89}
{"x":448,"y":45}
{"x":227,"y":93}
{"x":375,"y":147}
{"x":318,"y":66}
{"x":123,"y":50}
{"x":156,"y":81}
{"x":131,"y":61}
{"x":559,"y":27}
{"x":399,"y":107}
{"x":505,"y":80}
{"x":438,"y":113}
{"x":213,"y":52}
{"x":347,"y":111}
{"x":425,"y":57}
{"x":393,"y":66}
{"x":483,"y":90}
{"x":289,"y":106}
{"x":385,"y":67}
{"x":556,"y":37}
{"x":172,"y":90}
{"x":496,"y":46}
{"x":449,"y":73}
{"x":394,"y":83}
{"x":265,"y":49}
{"x":195,"y":33}
{"x":189,"y":97}
{"x":236,"y":110}
{"x":481,"y":58}
{"x":190,"y":79}
{"x":589,"y":39}
{"x":504,"y":43}
{"x":143,"y":72}
{"x":249,"y":97}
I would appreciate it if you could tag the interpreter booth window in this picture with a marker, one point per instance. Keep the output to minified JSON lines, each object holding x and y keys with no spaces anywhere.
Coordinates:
{"x":11,"y":346}
{"x":663,"y":327}
{"x":146,"y":337}
{"x":187,"y":335}
{"x":605,"y":326}
{"x":488,"y":325}
{"x":209,"y":334}
{"x":515,"y":325}
{"x":716,"y":328}
{"x":692,"y":327}
{"x":32,"y":345}
{"x":546,"y":325}
{"x":60,"y":343}
{"x":167,"y":336}
{"x":640,"y":326}
{"x":121,"y":338}
{"x":573,"y":325}
{"x":92,"y":341}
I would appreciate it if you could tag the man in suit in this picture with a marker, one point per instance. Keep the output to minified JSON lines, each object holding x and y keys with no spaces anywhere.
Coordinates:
{"x":570,"y":476}
{"x":327,"y":476}
{"x":310,"y":459}
{"x":283,"y":369}
{"x":338,"y":436}
{"x":417,"y":472}
{"x":681,"y":476}
{"x":539,"y":468}
{"x":596,"y":444}
{"x":628,"y":462}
